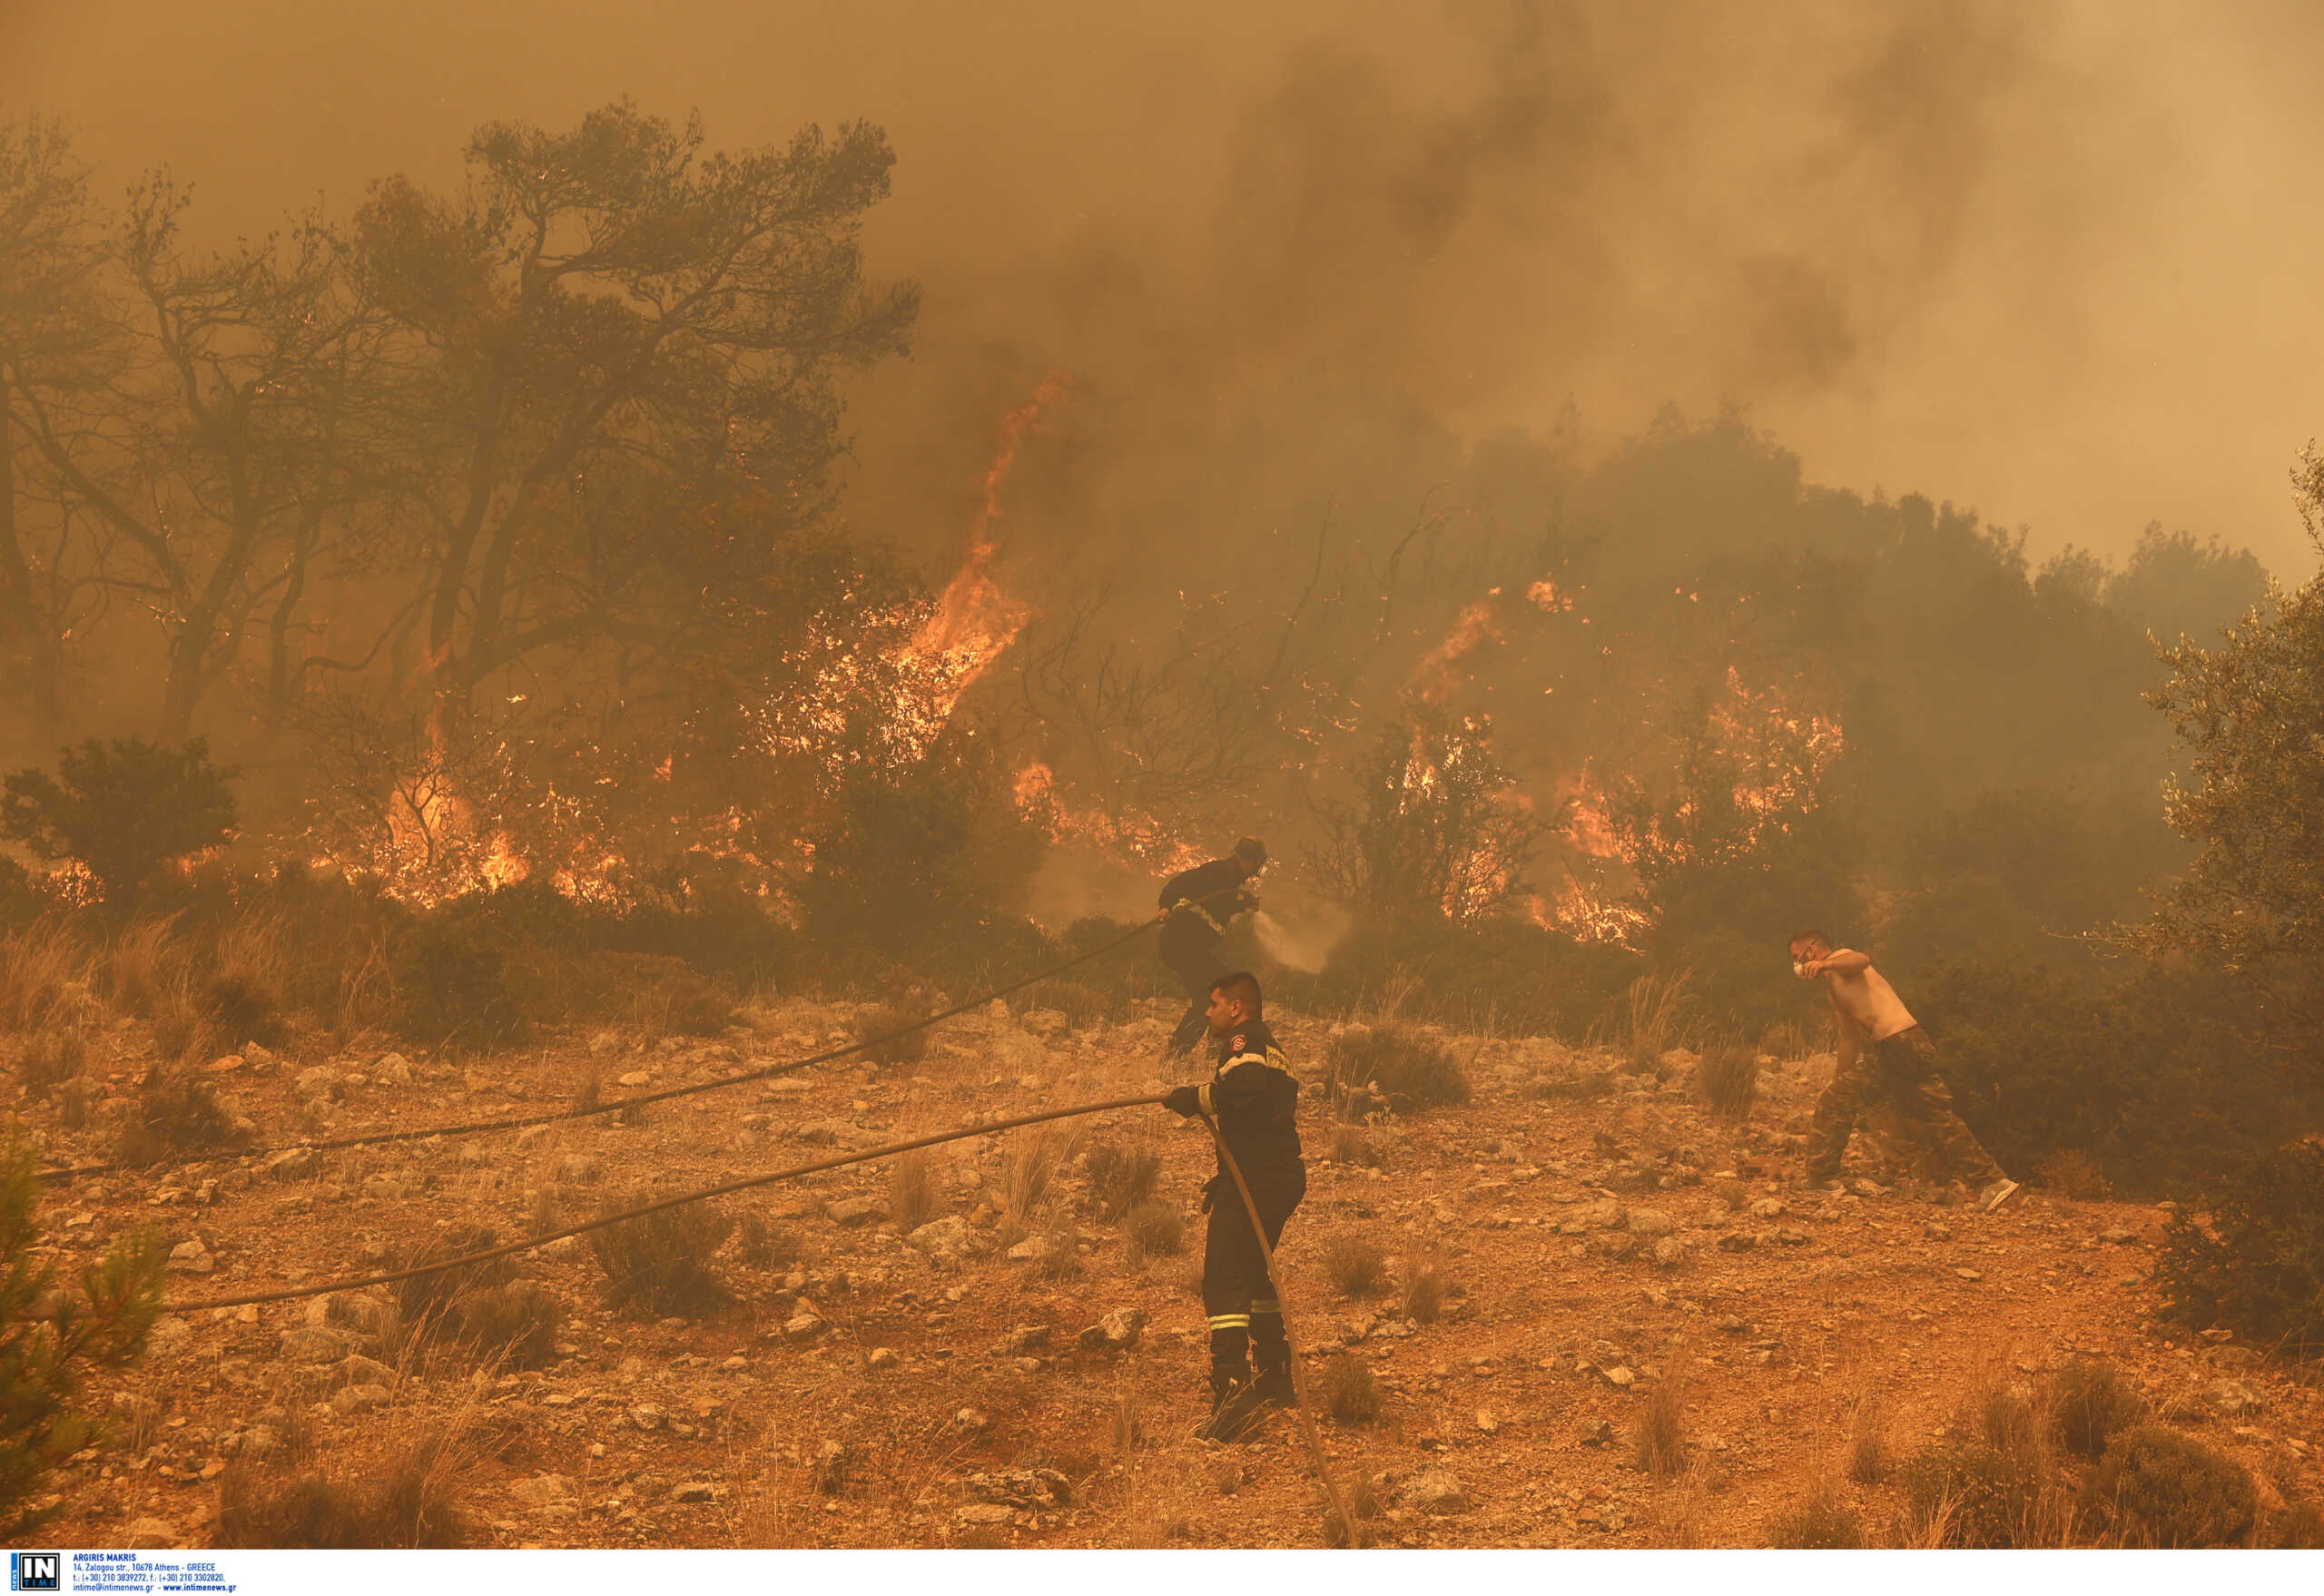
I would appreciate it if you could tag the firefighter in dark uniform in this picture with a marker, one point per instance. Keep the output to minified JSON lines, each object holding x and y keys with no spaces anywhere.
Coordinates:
{"x":1254,"y":1098}
{"x":1196,"y":904}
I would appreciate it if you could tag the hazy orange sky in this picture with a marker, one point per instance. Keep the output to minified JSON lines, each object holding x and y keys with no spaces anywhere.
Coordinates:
{"x":2059,"y":259}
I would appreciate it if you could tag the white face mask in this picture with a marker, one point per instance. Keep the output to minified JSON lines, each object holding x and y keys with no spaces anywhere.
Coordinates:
{"x":1799,"y":970}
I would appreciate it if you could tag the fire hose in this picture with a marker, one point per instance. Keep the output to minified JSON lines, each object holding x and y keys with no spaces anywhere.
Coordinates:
{"x":619,"y":1105}
{"x":1338,"y":1524}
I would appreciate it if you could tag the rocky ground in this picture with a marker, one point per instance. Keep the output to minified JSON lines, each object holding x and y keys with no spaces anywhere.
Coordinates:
{"x":941,"y":1379}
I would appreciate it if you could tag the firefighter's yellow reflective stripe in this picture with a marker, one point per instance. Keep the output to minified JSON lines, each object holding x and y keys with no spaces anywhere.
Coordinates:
{"x":1209,"y":1107}
{"x":1269,"y":1307}
{"x":1230,"y":1321}
{"x":1199,"y":912}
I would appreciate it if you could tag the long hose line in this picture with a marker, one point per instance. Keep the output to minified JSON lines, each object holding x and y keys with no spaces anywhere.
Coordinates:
{"x":1336,"y":1519}
{"x":489,"y":1255}
{"x":616,"y":1105}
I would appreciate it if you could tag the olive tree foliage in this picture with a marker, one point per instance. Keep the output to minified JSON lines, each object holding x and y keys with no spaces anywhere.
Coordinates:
{"x":2250,"y":715}
{"x":54,"y":352}
{"x":622,"y":354}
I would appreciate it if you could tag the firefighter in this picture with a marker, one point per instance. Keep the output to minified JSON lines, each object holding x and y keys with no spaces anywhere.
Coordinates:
{"x":1196,"y":904}
{"x":1254,"y":1099}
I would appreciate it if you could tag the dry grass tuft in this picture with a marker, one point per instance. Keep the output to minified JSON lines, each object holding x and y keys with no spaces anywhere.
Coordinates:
{"x":1028,"y":1180}
{"x":2089,"y":1401}
{"x":1825,"y":1522}
{"x":1658,"y":1441}
{"x":176,"y":1113}
{"x":1654,"y":1016}
{"x":1157,"y":1230}
{"x":887,"y":1020}
{"x":911,"y":1189}
{"x":43,"y":971}
{"x":1347,"y":1390}
{"x":1120,"y":1178}
{"x":53,"y":1055}
{"x":659,"y":1264}
{"x":1868,"y":1460}
{"x":2073,"y":1175}
{"x":1729,"y":1079}
{"x":1391,"y":1067}
{"x":2165,"y":1490}
{"x":1354,"y":1263}
{"x":409,"y":1504}
{"x":1424,"y":1289}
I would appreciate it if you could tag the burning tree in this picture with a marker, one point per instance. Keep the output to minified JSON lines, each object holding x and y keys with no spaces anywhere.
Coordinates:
{"x":1438,"y":829}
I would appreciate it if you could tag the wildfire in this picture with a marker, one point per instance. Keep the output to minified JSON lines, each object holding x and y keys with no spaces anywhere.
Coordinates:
{"x":1587,"y":917}
{"x":974,"y":620}
{"x":1438,"y":672}
{"x":1784,"y":754}
{"x":1136,"y":837}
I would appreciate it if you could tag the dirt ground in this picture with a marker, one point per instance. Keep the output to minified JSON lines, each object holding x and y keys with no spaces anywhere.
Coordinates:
{"x":929,"y":1389}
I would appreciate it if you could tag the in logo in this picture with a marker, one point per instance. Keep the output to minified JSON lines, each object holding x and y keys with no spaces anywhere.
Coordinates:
{"x":36,"y":1571}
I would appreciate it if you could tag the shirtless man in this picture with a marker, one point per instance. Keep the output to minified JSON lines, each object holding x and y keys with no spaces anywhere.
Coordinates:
{"x":1883,"y":1050}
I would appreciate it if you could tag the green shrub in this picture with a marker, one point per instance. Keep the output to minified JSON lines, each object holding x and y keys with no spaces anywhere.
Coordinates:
{"x":2088,"y":1402}
{"x":2257,"y":1266}
{"x":2157,"y":1079}
{"x":122,"y":808}
{"x":1391,"y":1067}
{"x":52,"y":1338}
{"x":2163,"y":1489}
{"x":1825,"y":1522}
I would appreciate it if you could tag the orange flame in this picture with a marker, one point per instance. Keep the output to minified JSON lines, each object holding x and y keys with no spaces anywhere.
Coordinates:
{"x":1438,"y":672}
{"x":974,"y":620}
{"x":1140,"y":838}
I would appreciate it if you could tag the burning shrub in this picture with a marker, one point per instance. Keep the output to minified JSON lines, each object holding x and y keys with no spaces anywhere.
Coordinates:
{"x":2165,"y":1490}
{"x":1156,"y":1229}
{"x":1824,"y":1523}
{"x":122,"y":808}
{"x":1391,"y":1066}
{"x":1437,"y":830}
{"x":1729,"y":1079}
{"x":890,"y":1021}
{"x":176,"y":1112}
{"x":659,"y":1263}
{"x":1121,"y":1178}
{"x":49,"y":1338}
{"x":2088,"y":1402}
{"x":1348,"y":1391}
{"x":410,"y":1504}
{"x":2257,"y":1266}
{"x":1354,"y":1264}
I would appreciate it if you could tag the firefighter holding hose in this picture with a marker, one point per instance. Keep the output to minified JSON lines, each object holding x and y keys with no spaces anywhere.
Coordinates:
{"x":1196,"y":905}
{"x":1254,"y":1099}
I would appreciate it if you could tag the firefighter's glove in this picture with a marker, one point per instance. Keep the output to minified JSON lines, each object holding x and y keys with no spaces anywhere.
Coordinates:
{"x":1184,"y":1099}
